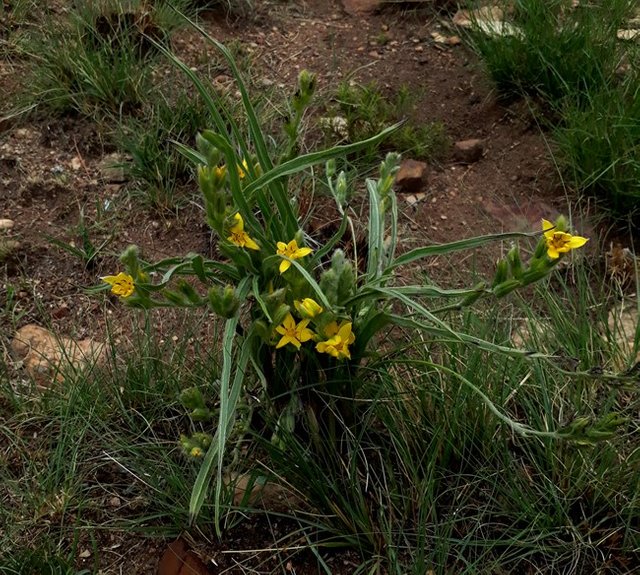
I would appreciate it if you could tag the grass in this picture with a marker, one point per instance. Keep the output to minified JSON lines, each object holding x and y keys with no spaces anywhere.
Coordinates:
{"x":367,"y":112}
{"x":97,"y":61}
{"x":157,"y":169}
{"x":427,"y":479}
{"x":598,"y":144}
{"x":583,"y":79}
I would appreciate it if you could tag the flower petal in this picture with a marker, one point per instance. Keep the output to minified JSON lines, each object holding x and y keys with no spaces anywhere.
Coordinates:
{"x":250,"y":244}
{"x":548,"y":228}
{"x":553,"y":253}
{"x":284,"y":266}
{"x":282,"y":247}
{"x":302,"y":252}
{"x":577,"y":242}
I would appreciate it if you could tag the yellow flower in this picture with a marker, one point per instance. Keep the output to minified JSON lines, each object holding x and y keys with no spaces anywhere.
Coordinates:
{"x":196,"y":452}
{"x":243,"y":169}
{"x":220,"y":172}
{"x":295,"y":334}
{"x":338,"y":345}
{"x":121,"y":285}
{"x":308,"y":308}
{"x":560,"y":242}
{"x":239,"y":237}
{"x":292,"y":251}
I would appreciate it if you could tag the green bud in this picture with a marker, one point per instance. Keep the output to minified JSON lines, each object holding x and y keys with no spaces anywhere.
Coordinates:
{"x":346,"y":283}
{"x":561,"y":224}
{"x":329,"y":285}
{"x":330,"y":168}
{"x":130,"y":257}
{"x":223,"y":301}
{"x":280,"y":313}
{"x":306,"y":89}
{"x":342,"y":192}
{"x":541,"y":249}
{"x":203,"y":439}
{"x":192,"y":296}
{"x":515,"y":263}
{"x":208,"y":149}
{"x":506,"y":287}
{"x":176,"y":298}
{"x":191,"y":398}
{"x":534,"y":274}
{"x":502,"y":273}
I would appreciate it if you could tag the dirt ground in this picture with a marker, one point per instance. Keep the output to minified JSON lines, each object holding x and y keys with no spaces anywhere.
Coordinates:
{"x":49,"y":170}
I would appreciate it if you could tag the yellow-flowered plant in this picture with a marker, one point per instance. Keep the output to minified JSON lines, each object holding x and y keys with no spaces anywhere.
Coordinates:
{"x":239,"y":237}
{"x":121,"y":284}
{"x":293,"y":333}
{"x":558,"y":241}
{"x":292,"y":251}
{"x":299,"y":322}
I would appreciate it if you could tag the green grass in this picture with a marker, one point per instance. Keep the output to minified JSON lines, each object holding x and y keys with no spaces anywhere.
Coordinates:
{"x":598,"y":145}
{"x":559,"y":51}
{"x":97,"y":60}
{"x":367,"y":112}
{"x":422,"y":477}
{"x":158,"y":170}
{"x":584,"y":84}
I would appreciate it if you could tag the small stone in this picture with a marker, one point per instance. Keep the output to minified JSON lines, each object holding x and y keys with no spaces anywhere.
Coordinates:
{"x":411,"y":176}
{"x":374,"y":54}
{"x":76,"y":163}
{"x":411,"y":200}
{"x":85,"y":554}
{"x":115,"y":501}
{"x":112,"y":168}
{"x":468,"y":151}
{"x":266,"y":82}
{"x":6,"y":224}
{"x":419,"y":48}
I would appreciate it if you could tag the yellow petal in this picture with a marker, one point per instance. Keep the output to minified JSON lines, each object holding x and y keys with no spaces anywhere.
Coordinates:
{"x":282,"y":247}
{"x":238,"y":226}
{"x":553,"y":253}
{"x":344,"y":332}
{"x":284,"y":266}
{"x":302,"y":252}
{"x":284,"y":341}
{"x":250,"y":244}
{"x":577,"y":242}
{"x":321,"y":347}
{"x":548,"y":228}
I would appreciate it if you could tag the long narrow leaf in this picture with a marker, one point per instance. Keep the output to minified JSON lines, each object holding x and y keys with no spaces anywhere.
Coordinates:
{"x":466,"y":244}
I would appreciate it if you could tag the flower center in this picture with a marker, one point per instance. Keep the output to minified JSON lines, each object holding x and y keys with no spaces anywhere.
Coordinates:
{"x":559,"y":240}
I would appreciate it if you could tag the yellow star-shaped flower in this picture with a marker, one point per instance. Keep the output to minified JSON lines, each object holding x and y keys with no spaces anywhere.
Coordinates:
{"x":560,"y":242}
{"x":121,"y":285}
{"x":291,"y":251}
{"x":295,"y":334}
{"x":340,"y":338}
{"x":239,"y":237}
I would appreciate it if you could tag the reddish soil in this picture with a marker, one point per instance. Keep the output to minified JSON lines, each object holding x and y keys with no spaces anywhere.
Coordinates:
{"x":49,"y":170}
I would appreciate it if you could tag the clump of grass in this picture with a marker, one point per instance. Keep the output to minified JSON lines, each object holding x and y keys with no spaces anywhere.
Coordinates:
{"x":157,"y":168}
{"x":367,"y":112}
{"x":97,"y":60}
{"x":557,"y":51}
{"x":598,"y":145}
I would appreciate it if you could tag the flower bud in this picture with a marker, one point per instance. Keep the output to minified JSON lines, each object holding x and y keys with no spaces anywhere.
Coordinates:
{"x":515,"y":263}
{"x":502,"y":272}
{"x":223,"y":301}
{"x":506,"y":287}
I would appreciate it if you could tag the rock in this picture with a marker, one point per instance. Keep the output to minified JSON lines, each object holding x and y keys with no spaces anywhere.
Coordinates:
{"x":357,"y":7}
{"x":468,"y":151}
{"x":628,"y":35}
{"x":112,"y":168}
{"x":6,"y":224}
{"x":411,"y":176}
{"x":467,"y":18}
{"x":178,"y":559}
{"x":46,"y":356}
{"x":622,"y":324}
